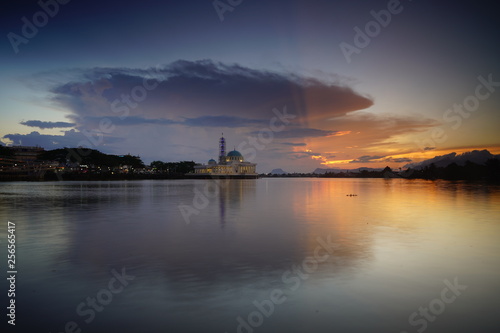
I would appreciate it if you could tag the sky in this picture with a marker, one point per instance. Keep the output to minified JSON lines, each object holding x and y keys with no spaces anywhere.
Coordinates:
{"x":296,"y":85}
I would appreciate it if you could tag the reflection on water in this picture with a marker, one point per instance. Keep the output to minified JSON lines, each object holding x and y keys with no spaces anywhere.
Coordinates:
{"x":392,"y":247}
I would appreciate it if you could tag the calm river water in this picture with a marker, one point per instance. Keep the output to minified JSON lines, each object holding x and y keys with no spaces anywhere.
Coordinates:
{"x":266,"y":255}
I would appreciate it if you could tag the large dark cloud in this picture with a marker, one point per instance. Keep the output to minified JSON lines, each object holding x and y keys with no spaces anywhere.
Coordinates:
{"x":202,"y":89}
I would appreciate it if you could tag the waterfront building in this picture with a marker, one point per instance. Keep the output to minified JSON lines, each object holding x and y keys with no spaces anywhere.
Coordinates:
{"x":232,"y":164}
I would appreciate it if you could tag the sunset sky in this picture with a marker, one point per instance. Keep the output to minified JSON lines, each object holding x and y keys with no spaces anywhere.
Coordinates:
{"x":292,"y":84}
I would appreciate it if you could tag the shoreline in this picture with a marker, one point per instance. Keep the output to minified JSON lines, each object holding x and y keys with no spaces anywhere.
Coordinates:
{"x":120,"y":177}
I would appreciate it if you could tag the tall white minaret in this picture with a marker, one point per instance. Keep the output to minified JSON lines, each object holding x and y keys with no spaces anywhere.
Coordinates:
{"x":222,"y":150}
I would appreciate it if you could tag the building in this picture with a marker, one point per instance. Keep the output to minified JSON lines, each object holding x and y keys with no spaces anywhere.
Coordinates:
{"x":231,"y":164}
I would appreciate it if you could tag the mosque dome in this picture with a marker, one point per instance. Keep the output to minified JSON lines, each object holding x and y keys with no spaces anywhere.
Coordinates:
{"x":234,"y":153}
{"x":234,"y":156}
{"x":212,"y":161}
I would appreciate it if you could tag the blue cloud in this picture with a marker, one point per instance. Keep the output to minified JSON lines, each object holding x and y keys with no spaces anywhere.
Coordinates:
{"x":70,"y":138}
{"x":47,"y":124}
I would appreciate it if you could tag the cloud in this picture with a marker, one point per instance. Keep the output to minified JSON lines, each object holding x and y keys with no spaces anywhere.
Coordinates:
{"x":197,"y":89}
{"x":341,"y":133}
{"x":46,"y":124}
{"x":367,"y":159}
{"x":223,"y":121}
{"x":373,"y":134}
{"x":298,"y":144}
{"x":379,"y":158}
{"x":70,"y":138}
{"x":303,"y":154}
{"x":204,"y":121}
{"x":398,"y":160}
{"x":383,"y":125}
{"x":302,"y":133}
{"x":93,"y":122}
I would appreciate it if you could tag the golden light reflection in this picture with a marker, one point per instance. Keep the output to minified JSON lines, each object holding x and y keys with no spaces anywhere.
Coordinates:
{"x":393,"y":216}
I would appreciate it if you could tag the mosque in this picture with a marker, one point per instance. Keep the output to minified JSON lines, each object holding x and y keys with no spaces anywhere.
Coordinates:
{"x":232,"y":165}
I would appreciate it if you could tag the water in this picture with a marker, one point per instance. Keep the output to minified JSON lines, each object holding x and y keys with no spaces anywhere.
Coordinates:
{"x":266,"y":255}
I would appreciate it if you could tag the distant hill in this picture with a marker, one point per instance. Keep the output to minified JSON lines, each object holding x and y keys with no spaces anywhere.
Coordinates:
{"x":321,"y":171}
{"x":476,"y":156}
{"x":278,"y":172}
{"x":90,"y":157}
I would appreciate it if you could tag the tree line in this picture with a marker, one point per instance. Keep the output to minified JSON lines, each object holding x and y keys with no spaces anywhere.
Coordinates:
{"x":91,"y":157}
{"x":182,"y":167}
{"x":490,"y":171}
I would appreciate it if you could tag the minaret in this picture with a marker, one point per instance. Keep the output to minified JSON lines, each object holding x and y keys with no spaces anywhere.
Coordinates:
{"x":222,"y":150}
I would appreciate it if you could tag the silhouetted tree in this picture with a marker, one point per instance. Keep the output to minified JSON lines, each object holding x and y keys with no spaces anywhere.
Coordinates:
{"x":493,"y":169}
{"x":158,"y":165}
{"x":174,"y":167}
{"x":387,"y":173}
{"x":6,"y":151}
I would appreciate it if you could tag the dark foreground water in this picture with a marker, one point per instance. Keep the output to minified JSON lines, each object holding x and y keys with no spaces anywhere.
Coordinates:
{"x":267,"y":255}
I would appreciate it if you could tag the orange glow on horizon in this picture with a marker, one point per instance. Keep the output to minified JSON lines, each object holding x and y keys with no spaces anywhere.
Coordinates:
{"x":415,"y":157}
